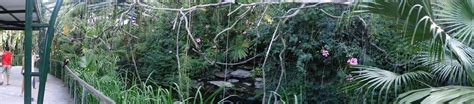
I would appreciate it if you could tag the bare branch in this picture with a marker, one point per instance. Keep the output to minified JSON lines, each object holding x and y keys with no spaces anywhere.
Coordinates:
{"x":265,"y":61}
{"x":232,"y":26}
{"x":177,"y":45}
{"x":176,"y":20}
{"x":282,"y":63}
{"x":294,"y":13}
{"x":186,"y":9}
{"x":188,"y":30}
{"x":330,"y":15}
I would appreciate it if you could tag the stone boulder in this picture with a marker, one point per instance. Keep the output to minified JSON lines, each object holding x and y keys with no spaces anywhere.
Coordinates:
{"x":221,"y":83}
{"x":241,"y":73}
{"x":233,"y":80}
{"x":222,"y":75}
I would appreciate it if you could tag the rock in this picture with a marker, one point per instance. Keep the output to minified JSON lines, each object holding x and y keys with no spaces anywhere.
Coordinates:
{"x":247,"y":84}
{"x":222,"y":83}
{"x":258,"y":79}
{"x":258,"y":85}
{"x":241,"y":73}
{"x":222,"y":75}
{"x":233,"y":80}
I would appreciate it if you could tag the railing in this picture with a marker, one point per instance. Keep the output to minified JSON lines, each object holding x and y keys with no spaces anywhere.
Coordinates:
{"x":75,"y":85}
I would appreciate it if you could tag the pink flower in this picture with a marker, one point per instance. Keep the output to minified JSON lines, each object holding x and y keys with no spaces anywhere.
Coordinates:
{"x":325,"y":52}
{"x":349,"y":77}
{"x":198,"y":40}
{"x":352,"y":61}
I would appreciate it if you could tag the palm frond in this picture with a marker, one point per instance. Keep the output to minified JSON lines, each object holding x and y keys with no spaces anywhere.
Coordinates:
{"x":416,"y":15}
{"x":450,"y":17}
{"x":372,"y":79}
{"x":447,"y":70}
{"x":407,"y":12}
{"x":463,"y":54}
{"x":456,"y":16}
{"x":438,"y":95}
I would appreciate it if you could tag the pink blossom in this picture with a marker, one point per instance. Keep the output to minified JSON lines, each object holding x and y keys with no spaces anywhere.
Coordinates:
{"x":198,"y":40}
{"x":352,"y":61}
{"x":349,"y":77}
{"x":325,"y":52}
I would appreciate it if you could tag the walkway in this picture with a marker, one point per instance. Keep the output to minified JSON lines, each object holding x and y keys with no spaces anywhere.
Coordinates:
{"x":56,"y":92}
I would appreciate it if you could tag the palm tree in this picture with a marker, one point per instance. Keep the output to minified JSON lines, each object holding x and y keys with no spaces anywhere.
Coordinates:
{"x":447,"y":25}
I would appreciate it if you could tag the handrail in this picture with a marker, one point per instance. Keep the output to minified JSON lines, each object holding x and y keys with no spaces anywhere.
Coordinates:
{"x":86,"y":86}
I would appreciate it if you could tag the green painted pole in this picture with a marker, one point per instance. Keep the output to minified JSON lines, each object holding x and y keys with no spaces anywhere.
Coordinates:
{"x":44,"y":69}
{"x":27,"y":46}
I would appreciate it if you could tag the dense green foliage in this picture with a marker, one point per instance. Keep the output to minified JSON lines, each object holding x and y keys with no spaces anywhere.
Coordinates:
{"x":147,"y":54}
{"x":155,"y":58}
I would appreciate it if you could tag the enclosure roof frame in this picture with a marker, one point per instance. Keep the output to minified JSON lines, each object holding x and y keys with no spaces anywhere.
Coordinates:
{"x":13,"y":12}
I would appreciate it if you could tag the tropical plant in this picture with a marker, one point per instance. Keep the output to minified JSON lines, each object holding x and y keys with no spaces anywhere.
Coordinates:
{"x":149,"y":55}
{"x":440,"y":23}
{"x":438,"y":95}
{"x":448,"y":69}
{"x":382,"y":79}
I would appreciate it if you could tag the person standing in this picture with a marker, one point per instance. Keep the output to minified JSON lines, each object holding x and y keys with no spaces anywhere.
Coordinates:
{"x":34,"y":58}
{"x":7,"y":65}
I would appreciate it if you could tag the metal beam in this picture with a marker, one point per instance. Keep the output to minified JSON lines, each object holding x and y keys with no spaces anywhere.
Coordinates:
{"x":21,"y":22}
{"x":18,"y":28}
{"x":11,"y":14}
{"x":18,"y":25}
{"x":28,"y":44}
{"x":12,"y":28}
{"x":13,"y":23}
{"x":12,"y":11}
{"x":44,"y":63}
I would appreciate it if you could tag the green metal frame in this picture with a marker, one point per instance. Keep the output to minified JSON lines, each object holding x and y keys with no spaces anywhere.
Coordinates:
{"x":27,"y":44}
{"x":45,"y":56}
{"x":44,"y":65}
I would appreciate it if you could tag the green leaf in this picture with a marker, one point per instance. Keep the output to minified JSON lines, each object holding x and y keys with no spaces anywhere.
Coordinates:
{"x":439,"y":95}
{"x":372,"y":78}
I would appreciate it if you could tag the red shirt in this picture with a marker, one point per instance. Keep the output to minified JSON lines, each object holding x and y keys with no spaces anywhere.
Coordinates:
{"x":7,"y":58}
